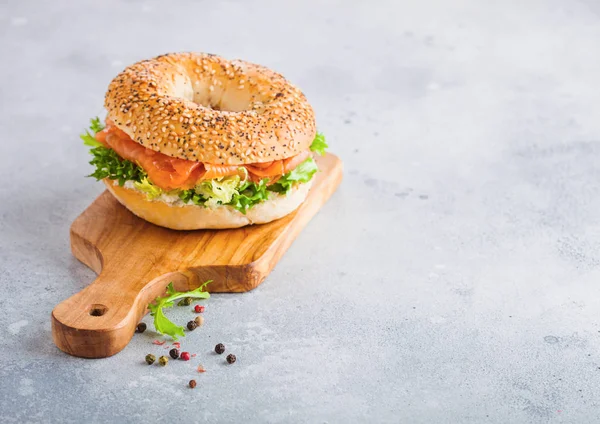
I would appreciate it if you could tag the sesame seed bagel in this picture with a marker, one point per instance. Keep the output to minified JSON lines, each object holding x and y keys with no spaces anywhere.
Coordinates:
{"x":192,"y":217}
{"x":205,"y":108}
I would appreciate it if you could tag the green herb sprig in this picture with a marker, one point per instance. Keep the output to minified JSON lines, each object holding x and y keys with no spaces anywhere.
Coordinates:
{"x":163,"y":324}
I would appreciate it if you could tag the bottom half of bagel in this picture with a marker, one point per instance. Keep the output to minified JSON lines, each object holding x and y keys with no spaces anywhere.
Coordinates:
{"x":181,"y":216}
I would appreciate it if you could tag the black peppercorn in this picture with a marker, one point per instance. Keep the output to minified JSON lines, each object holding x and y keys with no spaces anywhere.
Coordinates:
{"x":150,"y":358}
{"x":174,"y":353}
{"x":163,"y":360}
{"x":192,"y":383}
{"x":186,"y":301}
{"x":231,"y":358}
{"x":220,"y":348}
{"x":192,"y":325}
{"x":141,"y":327}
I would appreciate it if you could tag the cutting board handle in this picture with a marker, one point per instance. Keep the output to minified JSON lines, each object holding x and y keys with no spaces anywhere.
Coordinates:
{"x":100,"y":320}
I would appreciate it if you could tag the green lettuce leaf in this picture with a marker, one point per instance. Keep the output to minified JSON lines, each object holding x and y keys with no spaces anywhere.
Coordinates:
{"x":241,"y":197}
{"x":190,"y":196}
{"x":219,"y":191}
{"x":150,"y":190}
{"x":319,"y":144}
{"x":249,"y":194}
{"x":109,"y":165}
{"x":303,"y":173}
{"x":163,"y":324}
{"x":95,"y":127}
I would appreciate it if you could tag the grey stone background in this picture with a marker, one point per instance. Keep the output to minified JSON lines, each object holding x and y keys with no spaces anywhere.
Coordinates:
{"x":454,"y":277}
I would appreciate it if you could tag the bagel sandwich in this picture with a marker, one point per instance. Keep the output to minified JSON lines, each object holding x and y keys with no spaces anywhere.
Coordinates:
{"x":195,"y":141}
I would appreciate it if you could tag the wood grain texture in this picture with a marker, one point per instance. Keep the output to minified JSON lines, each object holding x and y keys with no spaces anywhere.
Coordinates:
{"x":135,"y":260}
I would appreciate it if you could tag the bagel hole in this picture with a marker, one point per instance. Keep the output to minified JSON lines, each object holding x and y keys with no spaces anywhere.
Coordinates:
{"x":209,"y":103}
{"x":227,"y":100}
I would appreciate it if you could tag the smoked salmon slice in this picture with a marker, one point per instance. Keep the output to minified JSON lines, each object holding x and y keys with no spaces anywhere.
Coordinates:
{"x":275,"y":168}
{"x":166,"y":172}
{"x":218,"y":171}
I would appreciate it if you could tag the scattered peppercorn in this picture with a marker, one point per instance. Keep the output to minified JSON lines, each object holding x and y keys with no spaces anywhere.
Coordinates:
{"x":199,"y":308}
{"x":199,"y":320}
{"x":192,"y":325}
{"x":220,"y":348}
{"x":186,"y":301}
{"x":141,"y":327}
{"x":150,"y":358}
{"x":185,"y":356}
{"x":231,"y":358}
{"x":163,"y":360}
{"x":192,"y":383}
{"x":174,"y":353}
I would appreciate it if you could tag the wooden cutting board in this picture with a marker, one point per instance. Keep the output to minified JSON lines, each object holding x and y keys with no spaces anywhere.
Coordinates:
{"x":135,"y":261}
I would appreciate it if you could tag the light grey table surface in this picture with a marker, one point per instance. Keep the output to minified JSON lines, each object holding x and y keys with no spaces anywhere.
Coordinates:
{"x":454,"y":277}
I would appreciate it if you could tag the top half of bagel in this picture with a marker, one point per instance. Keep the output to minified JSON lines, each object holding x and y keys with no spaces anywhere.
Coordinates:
{"x":204,"y":108}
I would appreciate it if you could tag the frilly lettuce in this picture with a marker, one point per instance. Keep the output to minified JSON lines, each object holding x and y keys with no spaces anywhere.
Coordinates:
{"x":95,"y":127}
{"x":303,"y":173}
{"x":150,"y":190}
{"x":219,"y":191}
{"x":106,"y":161}
{"x":109,"y":165}
{"x":249,"y":194}
{"x":230,"y":191}
{"x":319,"y":144}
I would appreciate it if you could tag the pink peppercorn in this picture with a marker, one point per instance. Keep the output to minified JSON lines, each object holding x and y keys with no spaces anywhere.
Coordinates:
{"x":199,"y":308}
{"x":185,"y":356}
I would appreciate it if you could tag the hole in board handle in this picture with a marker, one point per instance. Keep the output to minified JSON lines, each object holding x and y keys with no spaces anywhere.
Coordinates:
{"x":97,"y":310}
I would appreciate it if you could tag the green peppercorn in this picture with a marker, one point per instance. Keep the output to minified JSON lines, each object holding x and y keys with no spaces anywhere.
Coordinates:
{"x":150,"y":358}
{"x":186,"y":301}
{"x":191,"y":325}
{"x":199,"y":320}
{"x":141,"y":327}
{"x":220,"y":348}
{"x":231,"y":358}
{"x":163,"y":360}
